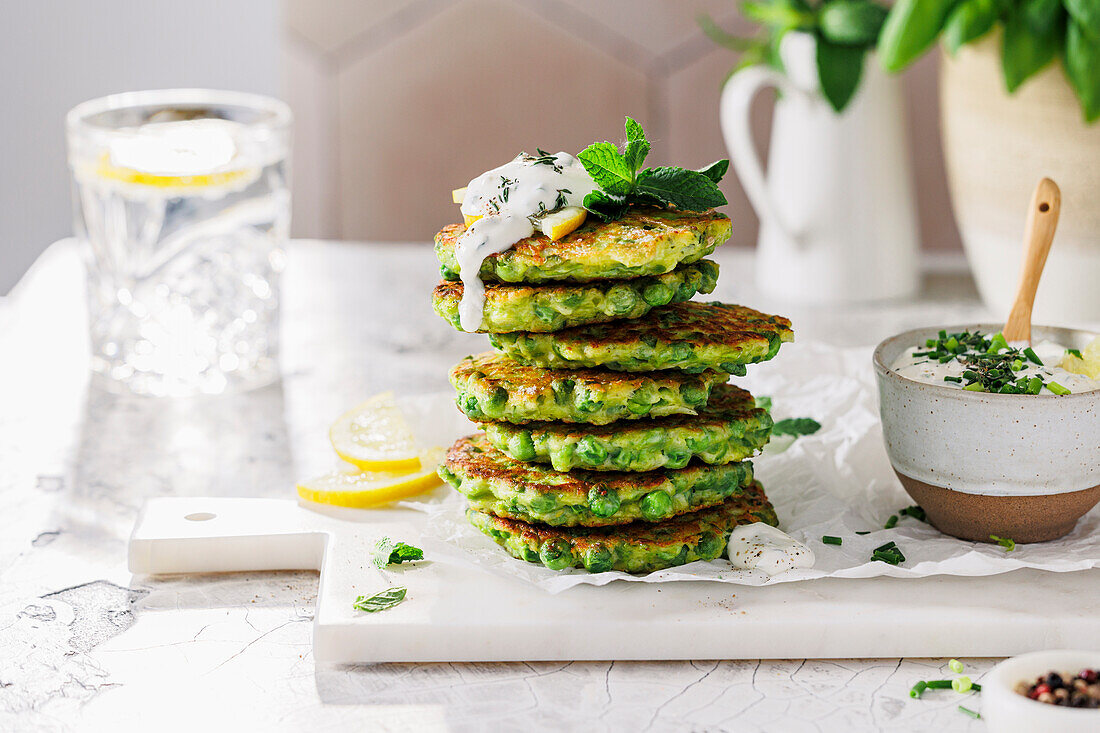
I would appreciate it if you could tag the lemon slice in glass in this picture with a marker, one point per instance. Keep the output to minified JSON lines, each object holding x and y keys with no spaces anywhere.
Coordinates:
{"x":375,"y":437}
{"x":359,"y":489}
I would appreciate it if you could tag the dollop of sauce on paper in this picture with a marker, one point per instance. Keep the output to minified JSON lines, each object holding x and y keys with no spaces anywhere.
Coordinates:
{"x":760,"y":546}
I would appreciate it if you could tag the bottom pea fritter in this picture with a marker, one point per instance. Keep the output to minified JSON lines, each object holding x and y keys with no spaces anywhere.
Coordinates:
{"x":639,"y":547}
{"x":532,"y":492}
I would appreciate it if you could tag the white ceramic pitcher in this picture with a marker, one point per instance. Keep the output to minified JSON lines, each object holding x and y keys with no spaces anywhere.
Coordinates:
{"x":836,"y":209}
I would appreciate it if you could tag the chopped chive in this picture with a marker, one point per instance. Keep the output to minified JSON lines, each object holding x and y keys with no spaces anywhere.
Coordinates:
{"x":1075,"y":352}
{"x":957,"y":380}
{"x":831,"y":540}
{"x":891,"y":522}
{"x":996,"y":344}
{"x":939,"y":684}
{"x":943,"y":335}
{"x":962,"y":684}
{"x":971,"y":713}
{"x":1057,"y":388}
{"x":864,"y":532}
{"x":1034,"y":385}
{"x":955,"y":666}
{"x":1032,"y":356}
{"x":975,"y":687}
{"x":976,"y":387}
{"x":888,"y":546}
{"x":915,"y":512}
{"x":918,"y":689}
{"x":1017,"y":365}
{"x":1004,"y":542}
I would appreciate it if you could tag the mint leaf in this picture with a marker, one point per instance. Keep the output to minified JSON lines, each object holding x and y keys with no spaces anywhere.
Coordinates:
{"x":684,"y":189}
{"x":637,"y":146}
{"x":796,"y":426}
{"x":381,"y":601}
{"x":605,"y":206}
{"x":608,"y":168}
{"x":716,"y":170}
{"x":382,"y":551}
{"x":405,"y":553}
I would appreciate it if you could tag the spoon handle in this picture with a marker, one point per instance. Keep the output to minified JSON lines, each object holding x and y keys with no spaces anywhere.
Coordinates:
{"x":1042,"y":220}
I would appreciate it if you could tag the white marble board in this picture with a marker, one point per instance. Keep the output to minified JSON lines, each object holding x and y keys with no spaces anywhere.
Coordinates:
{"x":457,"y":613}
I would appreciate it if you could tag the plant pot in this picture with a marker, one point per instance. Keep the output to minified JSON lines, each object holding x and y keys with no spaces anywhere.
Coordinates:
{"x":996,"y":147}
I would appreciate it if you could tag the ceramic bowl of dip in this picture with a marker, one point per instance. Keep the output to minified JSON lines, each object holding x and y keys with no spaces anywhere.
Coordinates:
{"x":1025,"y":467}
{"x":1007,"y":711}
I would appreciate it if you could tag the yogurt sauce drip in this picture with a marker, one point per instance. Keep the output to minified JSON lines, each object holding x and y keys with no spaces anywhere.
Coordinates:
{"x":508,"y":198}
{"x":930,"y":371}
{"x":760,"y":546}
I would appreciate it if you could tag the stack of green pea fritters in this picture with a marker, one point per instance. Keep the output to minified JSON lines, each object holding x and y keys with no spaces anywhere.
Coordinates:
{"x":611,"y":438}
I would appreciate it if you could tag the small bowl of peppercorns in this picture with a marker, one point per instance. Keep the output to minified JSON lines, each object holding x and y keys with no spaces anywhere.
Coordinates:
{"x":1044,"y":691}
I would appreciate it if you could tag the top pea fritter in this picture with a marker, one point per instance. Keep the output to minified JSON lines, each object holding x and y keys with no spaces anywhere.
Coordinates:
{"x":646,"y":241}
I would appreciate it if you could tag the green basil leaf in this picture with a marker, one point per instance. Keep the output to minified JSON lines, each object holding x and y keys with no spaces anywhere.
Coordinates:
{"x":1087,"y":13}
{"x":910,"y":28}
{"x":851,"y":22}
{"x":608,"y":168}
{"x":838,"y":69}
{"x":1082,"y":62}
{"x":381,"y":601}
{"x":796,"y":426}
{"x":684,"y":189}
{"x":605,"y":206}
{"x":1024,"y":52}
{"x":969,"y":20}
{"x":637,"y":147}
{"x":1042,"y":15}
{"x":716,"y":170}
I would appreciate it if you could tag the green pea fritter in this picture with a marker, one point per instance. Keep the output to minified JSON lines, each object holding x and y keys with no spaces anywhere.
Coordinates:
{"x":553,"y":307}
{"x":645,"y":241}
{"x":689,"y":336}
{"x":533,"y":492}
{"x":492,"y":387}
{"x":639,"y":547}
{"x":729,"y":428}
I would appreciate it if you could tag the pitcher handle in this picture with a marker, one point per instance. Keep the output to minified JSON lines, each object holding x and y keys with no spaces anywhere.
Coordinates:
{"x":734,"y":110}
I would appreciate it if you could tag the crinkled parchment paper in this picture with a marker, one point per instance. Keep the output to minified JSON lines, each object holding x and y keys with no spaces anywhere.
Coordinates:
{"x":835,"y":482}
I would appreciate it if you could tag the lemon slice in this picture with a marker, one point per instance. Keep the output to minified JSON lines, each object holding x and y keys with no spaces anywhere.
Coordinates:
{"x":106,"y":170}
{"x":360,"y":489}
{"x":1089,"y":365}
{"x":375,"y":437}
{"x":470,"y":219}
{"x":458,"y":195}
{"x":563,"y":222}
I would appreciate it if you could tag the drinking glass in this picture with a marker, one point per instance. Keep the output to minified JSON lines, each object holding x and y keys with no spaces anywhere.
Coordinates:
{"x":181,"y":200}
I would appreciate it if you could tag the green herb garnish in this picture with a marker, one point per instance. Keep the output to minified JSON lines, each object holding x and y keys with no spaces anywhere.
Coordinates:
{"x":915,"y":512}
{"x":831,"y":540}
{"x":989,"y":364}
{"x":891,"y":522}
{"x":1057,"y":388}
{"x":889,"y":553}
{"x":382,"y":600}
{"x":971,"y":713}
{"x":918,"y":689}
{"x":1004,"y":542}
{"x":623,"y":182}
{"x":796,"y":426}
{"x":1075,"y":352}
{"x":388,"y":552}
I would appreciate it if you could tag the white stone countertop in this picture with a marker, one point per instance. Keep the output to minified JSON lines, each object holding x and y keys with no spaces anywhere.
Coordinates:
{"x":85,"y":646}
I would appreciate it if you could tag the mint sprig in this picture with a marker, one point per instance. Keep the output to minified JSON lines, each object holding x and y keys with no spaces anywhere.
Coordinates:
{"x":796,"y":426}
{"x":388,"y":552}
{"x":623,"y":182}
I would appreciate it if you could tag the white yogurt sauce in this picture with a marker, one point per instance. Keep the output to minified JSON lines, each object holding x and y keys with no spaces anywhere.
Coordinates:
{"x":923,"y":369}
{"x":760,"y":546}
{"x":508,"y":198}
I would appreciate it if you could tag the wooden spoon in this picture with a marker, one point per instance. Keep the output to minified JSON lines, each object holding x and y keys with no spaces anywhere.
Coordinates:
{"x":1042,"y":220}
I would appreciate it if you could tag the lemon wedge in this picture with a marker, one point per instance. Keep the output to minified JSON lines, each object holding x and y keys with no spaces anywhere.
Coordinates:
{"x":375,"y":437}
{"x":470,"y":219}
{"x":458,"y":195}
{"x":563,"y":222}
{"x":1088,"y":364}
{"x":360,"y":489}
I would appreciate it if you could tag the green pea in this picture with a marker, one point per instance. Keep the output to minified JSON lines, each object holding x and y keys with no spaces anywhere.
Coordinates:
{"x":677,"y":459}
{"x":471,"y":408}
{"x":530,"y":555}
{"x":655,"y":505}
{"x":623,"y":460}
{"x":521,"y":447}
{"x":621,"y":299}
{"x":603,"y":502}
{"x":681,"y":351}
{"x":598,"y":559}
{"x":545,"y":314}
{"x":693,"y":394}
{"x":638,"y":405}
{"x":657,"y":293}
{"x":448,"y":273}
{"x":543,"y":503}
{"x":711,"y":545}
{"x":591,"y":451}
{"x":737,"y":370}
{"x":555,"y":554}
{"x":563,"y":390}
{"x":572,"y":300}
{"x":494,"y":403}
{"x":587,"y":404}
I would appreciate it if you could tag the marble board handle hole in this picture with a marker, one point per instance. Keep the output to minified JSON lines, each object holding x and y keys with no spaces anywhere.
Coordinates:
{"x":200,"y":516}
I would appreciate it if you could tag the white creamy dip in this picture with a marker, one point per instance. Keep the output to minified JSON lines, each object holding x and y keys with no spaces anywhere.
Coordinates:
{"x":931,"y":371}
{"x":760,"y":546}
{"x":507,"y":199}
